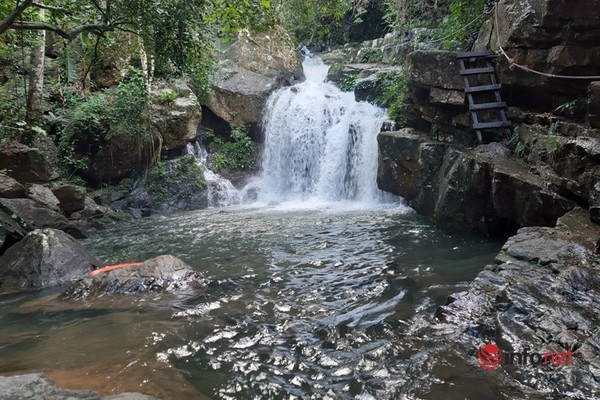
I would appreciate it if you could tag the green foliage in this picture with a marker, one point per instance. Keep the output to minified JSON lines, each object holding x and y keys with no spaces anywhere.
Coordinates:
{"x":348,"y":82}
{"x":183,"y":176}
{"x":460,"y":27}
{"x":237,"y":153}
{"x":518,"y":144}
{"x":395,"y":96}
{"x":370,"y":55}
{"x":122,"y":110}
{"x":168,"y":97}
{"x":572,"y":109}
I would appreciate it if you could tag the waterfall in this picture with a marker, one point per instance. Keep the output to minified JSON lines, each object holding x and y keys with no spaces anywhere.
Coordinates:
{"x":220,"y":191}
{"x":320,"y":144}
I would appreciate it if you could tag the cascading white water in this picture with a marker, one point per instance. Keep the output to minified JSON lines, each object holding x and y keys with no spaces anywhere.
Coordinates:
{"x":320,"y":143}
{"x":220,"y":191}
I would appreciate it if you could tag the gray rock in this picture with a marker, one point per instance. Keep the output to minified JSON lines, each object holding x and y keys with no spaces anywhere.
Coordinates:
{"x":44,"y":258}
{"x":43,"y":195}
{"x":593,"y":111}
{"x":373,"y":87}
{"x":24,"y":163}
{"x":161,"y":274}
{"x":37,"y":216}
{"x":177,"y":121}
{"x":71,"y":198}
{"x":466,"y":190}
{"x":250,"y":70}
{"x":541,"y":294}
{"x":38,"y":386}
{"x":432,"y":68}
{"x":10,"y":188}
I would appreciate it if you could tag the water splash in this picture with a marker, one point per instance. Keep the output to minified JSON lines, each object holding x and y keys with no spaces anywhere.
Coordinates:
{"x":220,"y":191}
{"x":320,"y":144}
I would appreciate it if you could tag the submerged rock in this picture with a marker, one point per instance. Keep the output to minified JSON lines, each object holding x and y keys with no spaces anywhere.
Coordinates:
{"x":44,"y":258}
{"x":38,"y":386}
{"x":161,"y":274}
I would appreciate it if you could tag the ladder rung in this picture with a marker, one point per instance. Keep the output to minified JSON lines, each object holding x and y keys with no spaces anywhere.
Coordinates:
{"x":476,"y":54}
{"x":486,"y":88}
{"x":492,"y":125}
{"x":487,"y":106}
{"x":477,"y":71}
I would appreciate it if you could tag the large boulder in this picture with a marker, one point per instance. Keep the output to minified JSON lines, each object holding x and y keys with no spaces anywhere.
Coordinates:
{"x":122,"y":156}
{"x":37,"y":216}
{"x":24,"y":163}
{"x":71,"y":197}
{"x":249,"y":71}
{"x":44,"y":258}
{"x":43,"y":195}
{"x":38,"y":386}
{"x":176,"y":119}
{"x":161,"y":274}
{"x":10,"y":188}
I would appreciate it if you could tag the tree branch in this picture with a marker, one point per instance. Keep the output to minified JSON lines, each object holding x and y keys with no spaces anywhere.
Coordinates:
{"x":11,"y":18}
{"x":70,"y":36}
{"x":51,"y":8}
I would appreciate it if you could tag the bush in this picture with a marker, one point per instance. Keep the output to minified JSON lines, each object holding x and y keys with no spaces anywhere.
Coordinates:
{"x":238,"y":153}
{"x":459,"y":29}
{"x":395,"y":96}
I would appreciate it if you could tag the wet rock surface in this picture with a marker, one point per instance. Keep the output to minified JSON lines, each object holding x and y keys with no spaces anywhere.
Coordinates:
{"x":163,"y":274}
{"x":38,"y":386}
{"x":44,"y":258}
{"x":541,"y":294}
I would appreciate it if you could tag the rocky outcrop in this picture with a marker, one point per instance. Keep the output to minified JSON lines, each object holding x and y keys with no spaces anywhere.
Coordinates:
{"x":24,"y":163}
{"x":249,"y":71}
{"x":176,"y":119}
{"x":44,"y":258}
{"x":551,"y":38}
{"x":483,"y":189}
{"x":541,"y":294}
{"x":163,"y":274}
{"x":371,"y":87}
{"x":38,"y":386}
{"x":37,"y":216}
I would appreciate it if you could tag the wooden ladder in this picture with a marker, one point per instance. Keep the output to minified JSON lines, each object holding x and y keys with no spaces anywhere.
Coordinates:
{"x":474,"y":66}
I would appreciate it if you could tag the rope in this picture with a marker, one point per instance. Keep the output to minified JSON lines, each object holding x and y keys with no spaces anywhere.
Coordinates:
{"x":512,"y":64}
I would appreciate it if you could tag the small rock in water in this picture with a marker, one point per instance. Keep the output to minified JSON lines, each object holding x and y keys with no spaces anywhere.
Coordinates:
{"x":160,"y":274}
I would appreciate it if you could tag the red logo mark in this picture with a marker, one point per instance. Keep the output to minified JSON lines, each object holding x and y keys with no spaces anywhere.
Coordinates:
{"x":490,"y":357}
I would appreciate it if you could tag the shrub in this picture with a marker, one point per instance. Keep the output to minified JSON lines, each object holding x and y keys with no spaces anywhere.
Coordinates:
{"x":237,"y":153}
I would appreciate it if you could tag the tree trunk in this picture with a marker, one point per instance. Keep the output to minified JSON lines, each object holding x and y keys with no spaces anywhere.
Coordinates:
{"x":36,"y":75}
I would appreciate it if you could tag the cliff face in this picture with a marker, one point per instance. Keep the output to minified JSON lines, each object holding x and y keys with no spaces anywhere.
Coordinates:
{"x":555,"y":162}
